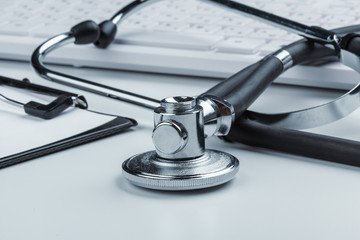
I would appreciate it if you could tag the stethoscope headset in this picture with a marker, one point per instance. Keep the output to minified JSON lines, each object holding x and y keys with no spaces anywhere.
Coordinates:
{"x":180,"y":161}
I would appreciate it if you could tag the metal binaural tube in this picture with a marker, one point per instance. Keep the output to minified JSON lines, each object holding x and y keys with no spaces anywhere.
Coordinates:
{"x":315,"y":33}
{"x":104,"y":90}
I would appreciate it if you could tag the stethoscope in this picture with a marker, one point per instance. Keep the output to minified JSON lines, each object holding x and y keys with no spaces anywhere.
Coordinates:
{"x":181,"y":124}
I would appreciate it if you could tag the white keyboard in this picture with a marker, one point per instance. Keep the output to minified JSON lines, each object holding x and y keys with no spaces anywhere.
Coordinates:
{"x":186,"y":37}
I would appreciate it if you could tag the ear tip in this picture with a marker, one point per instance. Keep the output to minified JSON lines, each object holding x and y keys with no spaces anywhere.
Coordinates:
{"x":86,"y":32}
{"x":107,"y":34}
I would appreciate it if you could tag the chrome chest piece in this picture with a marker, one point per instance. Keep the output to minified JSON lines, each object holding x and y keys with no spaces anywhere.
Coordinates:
{"x":180,"y":161}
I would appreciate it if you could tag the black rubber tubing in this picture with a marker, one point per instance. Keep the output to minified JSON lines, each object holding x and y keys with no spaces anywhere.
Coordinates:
{"x":225,"y":87}
{"x":304,"y":51}
{"x":244,"y":87}
{"x":241,"y":90}
{"x":300,"y":143}
{"x":353,"y":43}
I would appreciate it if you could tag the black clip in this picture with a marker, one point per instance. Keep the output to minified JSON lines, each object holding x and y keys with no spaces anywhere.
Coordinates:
{"x":63,"y":101}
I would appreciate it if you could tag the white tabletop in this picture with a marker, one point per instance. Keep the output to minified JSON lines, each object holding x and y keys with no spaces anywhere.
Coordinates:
{"x":80,"y":193}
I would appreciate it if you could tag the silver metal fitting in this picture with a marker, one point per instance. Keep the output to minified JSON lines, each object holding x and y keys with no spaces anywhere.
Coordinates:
{"x":218,"y":115}
{"x":285,"y":58}
{"x":149,"y":171}
{"x":180,"y":161}
{"x":80,"y":102}
{"x":350,"y":59}
{"x":179,"y":128}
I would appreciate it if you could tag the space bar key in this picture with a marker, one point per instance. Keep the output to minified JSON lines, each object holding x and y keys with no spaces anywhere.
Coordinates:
{"x":170,"y":40}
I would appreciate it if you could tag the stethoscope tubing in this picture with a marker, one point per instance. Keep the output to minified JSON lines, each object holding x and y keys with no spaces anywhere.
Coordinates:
{"x":240,"y":90}
{"x":300,"y":143}
{"x":244,"y":87}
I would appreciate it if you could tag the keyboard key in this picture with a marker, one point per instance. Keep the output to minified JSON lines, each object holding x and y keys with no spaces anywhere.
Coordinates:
{"x":300,"y":7}
{"x":170,"y":27}
{"x":176,"y":7}
{"x":269,"y":34}
{"x":277,"y":8}
{"x":292,"y":37}
{"x":163,"y":39}
{"x":171,"y":17}
{"x":209,"y":10}
{"x":204,"y":19}
{"x":259,"y":25}
{"x":235,"y":31}
{"x":49,"y":30}
{"x":305,"y":17}
{"x":240,"y":45}
{"x":202,"y":29}
{"x":138,"y":25}
{"x":272,"y":46}
{"x":340,"y":20}
{"x":144,"y":16}
{"x":234,"y":20}
{"x":8,"y":5}
{"x":18,"y":28}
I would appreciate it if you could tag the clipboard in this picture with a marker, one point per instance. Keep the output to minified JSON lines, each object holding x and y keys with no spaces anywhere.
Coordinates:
{"x":24,"y":137}
{"x":113,"y":127}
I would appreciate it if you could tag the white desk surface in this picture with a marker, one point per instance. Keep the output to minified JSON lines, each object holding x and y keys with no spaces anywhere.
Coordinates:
{"x":80,"y":193}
